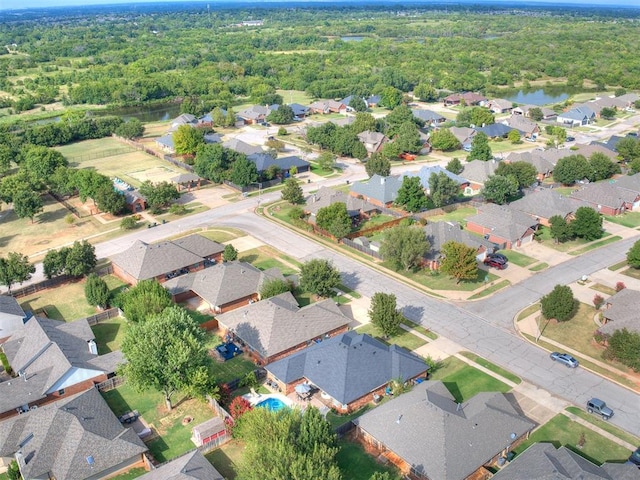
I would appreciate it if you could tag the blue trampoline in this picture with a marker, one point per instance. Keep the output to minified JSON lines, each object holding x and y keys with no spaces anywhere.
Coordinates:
{"x":228,"y":350}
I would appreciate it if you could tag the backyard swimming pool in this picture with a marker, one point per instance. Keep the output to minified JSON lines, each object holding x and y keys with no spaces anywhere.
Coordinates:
{"x":273,"y":404}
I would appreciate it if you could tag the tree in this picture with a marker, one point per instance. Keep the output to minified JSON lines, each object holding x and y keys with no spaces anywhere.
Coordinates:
{"x":399,"y":115}
{"x":633,"y":255}
{"x":53,"y":262}
{"x":326,"y":161}
{"x":459,"y":261}
{"x":536,"y":114}
{"x":602,"y":167}
{"x":187,"y":140}
{"x":96,"y":291}
{"x":624,"y":346}
{"x":128,"y":223}
{"x":442,"y":189}
{"x":559,"y":304}
{"x":498,"y":188}
{"x":110,"y":200}
{"x":480,"y":149}
{"x":560,"y":230}
{"x":391,"y":97}
{"x":608,"y":113}
{"x":41,"y":162}
{"x":404,"y":246}
{"x":213,"y":162}
{"x":159,"y":195}
{"x":411,"y":196}
{"x":378,"y":164}
{"x":167,"y":353}
{"x":13,"y":471}
{"x":408,"y":138}
{"x":334,"y":219}
{"x":130,"y":129}
{"x":514,"y":136}
{"x":144,"y":299}
{"x":455,"y":166}
{"x":628,"y":149}
{"x":319,"y":276}
{"x":230,"y":253}
{"x":282,"y":116}
{"x":292,"y":191}
{"x":364,"y":121}
{"x":570,"y":169}
{"x":444,"y":140}
{"x":11,"y":185}
{"x":274,"y":287}
{"x":384,"y":314}
{"x":587,"y":224}
{"x":525,"y":173}
{"x":239,"y":406}
{"x":80,"y":259}
{"x":481,"y":116}
{"x":27,"y":204}
{"x":425,"y":92}
{"x":15,"y":268}
{"x":243,"y":172}
{"x":357,"y":104}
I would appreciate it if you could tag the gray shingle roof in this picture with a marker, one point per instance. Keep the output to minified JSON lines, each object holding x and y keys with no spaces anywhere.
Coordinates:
{"x":10,"y":306}
{"x":223,"y":282}
{"x":185,"y":177}
{"x":326,"y":196}
{"x":254,"y":112}
{"x":427,"y":115}
{"x":541,"y":461}
{"x":623,"y":312}
{"x":276,"y":324}
{"x":11,"y":316}
{"x":463,"y":134}
{"x":65,"y":434}
{"x":143,"y":260}
{"x":630,"y":182}
{"x":541,"y":163}
{"x":438,"y":233}
{"x":605,"y":194}
{"x":190,"y":466}
{"x":426,"y":428}
{"x":478,"y":171}
{"x":48,"y":351}
{"x":521,"y":123}
{"x":382,"y":189}
{"x":263,"y":161}
{"x":371,"y":140}
{"x":504,"y":221}
{"x":425,"y":173}
{"x":348,"y":366}
{"x":545,"y":203}
{"x":495,"y":130}
{"x":242,"y":147}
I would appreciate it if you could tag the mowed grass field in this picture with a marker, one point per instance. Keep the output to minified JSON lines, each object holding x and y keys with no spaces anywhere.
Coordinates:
{"x":114,"y":159}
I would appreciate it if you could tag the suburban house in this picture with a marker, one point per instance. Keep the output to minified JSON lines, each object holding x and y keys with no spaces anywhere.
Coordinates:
{"x":607,"y":198}
{"x":628,"y":99}
{"x":577,"y":117}
{"x":53,"y":359}
{"x":425,"y":174}
{"x":373,"y":101}
{"x":621,"y":311}
{"x":223,"y":286}
{"x":380,"y":191}
{"x":254,"y":114}
{"x":76,"y":438}
{"x":299,"y":111}
{"x":327,"y":106}
{"x":477,"y":172}
{"x":495,"y":130}
{"x":264,"y":161}
{"x":468,"y":98}
{"x":165,"y":260}
{"x":273,"y":328}
{"x":12,"y":316}
{"x":503,"y":225}
{"x":190,"y":466}
{"x":347,"y":101}
{"x":136,"y":202}
{"x":629,"y":182}
{"x":325,"y":196}
{"x":526,"y":127}
{"x":429,"y":117}
{"x":242,"y":147}
{"x":544,"y":167}
{"x":464,"y":135}
{"x":500,"y":105}
{"x":350,"y":369}
{"x":427,"y":435}
{"x":438,"y":233}
{"x":184,"y":119}
{"x":525,"y":110}
{"x":372,"y":141}
{"x":542,"y":204}
{"x":541,"y":461}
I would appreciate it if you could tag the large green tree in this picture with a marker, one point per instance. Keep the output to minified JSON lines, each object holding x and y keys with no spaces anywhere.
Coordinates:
{"x":587,"y":224}
{"x":559,"y":229}
{"x":633,"y":255}
{"x":404,"y":246}
{"x":442,"y":189}
{"x":624,"y":346}
{"x":319,"y":276}
{"x":523,"y":172}
{"x":378,"y":164}
{"x":408,"y":138}
{"x":282,"y":116}
{"x":384,"y":313}
{"x":27,"y":204}
{"x":334,"y":219}
{"x":570,"y":169}
{"x":159,"y":195}
{"x":96,"y":291}
{"x":498,"y":188}
{"x":130,"y":129}
{"x":292,"y":192}
{"x":187,"y":140}
{"x":444,"y":140}
{"x":144,"y":299}
{"x":480,"y":148}
{"x":559,"y":304}
{"x":411,"y":195}
{"x":601,"y":167}
{"x":273,"y":287}
{"x":243,"y":172}
{"x":167,"y":353}
{"x":459,"y":261}
{"x":41,"y":162}
{"x":455,"y":166}
{"x":15,"y":268}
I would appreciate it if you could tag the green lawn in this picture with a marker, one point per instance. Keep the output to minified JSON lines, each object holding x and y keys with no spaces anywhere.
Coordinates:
{"x":489,"y":290}
{"x":632,"y":272}
{"x":356,"y":464}
{"x":236,"y":367}
{"x":518,"y":258}
{"x":337,"y":420}
{"x":598,"y":244}
{"x":66,"y":302}
{"x":576,"y":333}
{"x":528,"y":311}
{"x":439,"y":281}
{"x":608,"y":291}
{"x":627,"y":219}
{"x":266,"y":257}
{"x":295,"y":96}
{"x":225,"y":458}
{"x":420,"y":328}
{"x":375,"y":221}
{"x":174,"y":438}
{"x":221,"y":235}
{"x":130,"y":474}
{"x":539,"y":266}
{"x":490,"y":366}
{"x":545,"y":236}
{"x":607,"y":426}
{"x":618,"y":266}
{"x":109,"y":334}
{"x":459,"y":215}
{"x":562,"y":431}
{"x":403,"y":339}
{"x":464,"y":381}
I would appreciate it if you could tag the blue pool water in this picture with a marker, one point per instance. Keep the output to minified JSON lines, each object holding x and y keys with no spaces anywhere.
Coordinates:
{"x":273,"y":404}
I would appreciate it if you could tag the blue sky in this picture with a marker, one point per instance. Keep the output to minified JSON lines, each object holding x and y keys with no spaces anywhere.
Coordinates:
{"x":16,"y":4}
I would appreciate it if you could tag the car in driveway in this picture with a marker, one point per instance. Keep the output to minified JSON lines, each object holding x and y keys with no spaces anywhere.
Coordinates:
{"x":571,"y":139}
{"x":635,"y":457}
{"x":595,"y":405}
{"x":495,"y":263}
{"x":498,"y":256}
{"x":565,"y":359}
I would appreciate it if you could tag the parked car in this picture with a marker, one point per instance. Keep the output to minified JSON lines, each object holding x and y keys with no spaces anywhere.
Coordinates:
{"x":595,"y":405}
{"x":498,"y":256}
{"x":571,"y":139}
{"x":635,"y":457}
{"x":495,"y":263}
{"x":565,"y":359}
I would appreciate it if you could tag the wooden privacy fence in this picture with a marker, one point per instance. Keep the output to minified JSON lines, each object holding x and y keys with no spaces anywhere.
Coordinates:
{"x":383,"y":226}
{"x":361,"y":248}
{"x":110,"y":384}
{"x":54,"y":282}
{"x":102,"y":316}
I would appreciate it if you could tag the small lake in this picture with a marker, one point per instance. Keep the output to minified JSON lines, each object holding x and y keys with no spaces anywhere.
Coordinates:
{"x":537,"y":97}
{"x":352,"y":39}
{"x":153,"y":113}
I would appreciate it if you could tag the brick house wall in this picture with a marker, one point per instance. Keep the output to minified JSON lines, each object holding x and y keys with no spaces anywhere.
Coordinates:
{"x":122,"y":275}
{"x":373,"y":201}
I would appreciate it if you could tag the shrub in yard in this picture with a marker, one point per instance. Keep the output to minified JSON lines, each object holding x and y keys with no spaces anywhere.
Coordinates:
{"x":128,"y":223}
{"x":559,"y":304}
{"x":597,"y":300}
{"x":624,"y":346}
{"x":620,"y":286}
{"x":633,"y":255}
{"x":230,"y":253}
{"x":177,"y":209}
{"x":96,"y":291}
{"x":239,"y":406}
{"x":296,"y":213}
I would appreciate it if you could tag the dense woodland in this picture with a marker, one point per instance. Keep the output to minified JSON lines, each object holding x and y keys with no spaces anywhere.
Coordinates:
{"x":138,"y":56}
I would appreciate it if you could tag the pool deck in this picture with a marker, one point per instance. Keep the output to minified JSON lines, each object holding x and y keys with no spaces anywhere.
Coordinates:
{"x":254,"y":400}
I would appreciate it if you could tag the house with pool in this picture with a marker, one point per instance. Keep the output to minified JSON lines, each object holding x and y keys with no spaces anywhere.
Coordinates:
{"x":350,"y":370}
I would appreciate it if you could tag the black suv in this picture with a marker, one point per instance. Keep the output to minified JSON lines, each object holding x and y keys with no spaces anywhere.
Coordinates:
{"x":635,"y":457}
{"x":596,"y":405}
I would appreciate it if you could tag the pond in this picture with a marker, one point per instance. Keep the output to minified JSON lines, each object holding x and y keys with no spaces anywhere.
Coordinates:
{"x":538,"y":97}
{"x":144,"y":113}
{"x":352,"y":39}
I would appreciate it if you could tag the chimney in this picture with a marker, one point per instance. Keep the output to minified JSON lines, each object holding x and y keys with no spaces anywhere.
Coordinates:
{"x":382,"y":179}
{"x":93,"y":348}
